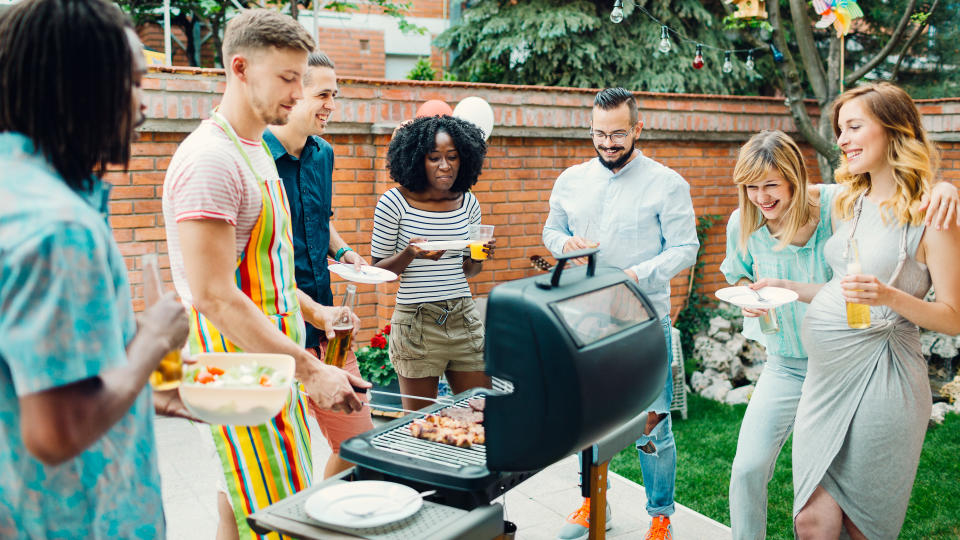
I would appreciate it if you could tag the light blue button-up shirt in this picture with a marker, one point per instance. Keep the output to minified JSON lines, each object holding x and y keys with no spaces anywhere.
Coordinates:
{"x":66,"y":317}
{"x":805,"y":264}
{"x":642,"y":216}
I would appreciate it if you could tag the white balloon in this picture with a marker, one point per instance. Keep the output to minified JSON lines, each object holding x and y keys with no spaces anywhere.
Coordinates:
{"x":476,"y":110}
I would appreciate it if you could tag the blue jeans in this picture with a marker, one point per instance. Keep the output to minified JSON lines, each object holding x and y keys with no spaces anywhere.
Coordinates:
{"x":765,"y":428}
{"x":659,"y":468}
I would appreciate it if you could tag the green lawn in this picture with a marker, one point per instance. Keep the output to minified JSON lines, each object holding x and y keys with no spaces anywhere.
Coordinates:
{"x":707,"y":442}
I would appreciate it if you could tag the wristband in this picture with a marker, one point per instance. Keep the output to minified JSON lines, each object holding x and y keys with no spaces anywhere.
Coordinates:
{"x":341,"y":251}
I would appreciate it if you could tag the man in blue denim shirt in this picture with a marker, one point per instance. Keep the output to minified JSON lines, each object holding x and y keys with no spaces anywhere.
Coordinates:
{"x":639,"y":213}
{"x":305,"y":164}
{"x":77,"y":451}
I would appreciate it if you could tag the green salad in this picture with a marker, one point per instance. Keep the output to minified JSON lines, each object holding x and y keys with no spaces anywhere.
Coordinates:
{"x":242,"y":376}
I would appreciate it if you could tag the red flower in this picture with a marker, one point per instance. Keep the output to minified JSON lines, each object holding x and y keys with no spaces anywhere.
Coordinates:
{"x":378,"y":342}
{"x":384,"y":366}
{"x":386,"y":329}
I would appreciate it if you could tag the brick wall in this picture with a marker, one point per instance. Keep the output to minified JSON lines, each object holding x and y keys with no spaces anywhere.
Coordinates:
{"x":356,"y":53}
{"x":539,"y":132}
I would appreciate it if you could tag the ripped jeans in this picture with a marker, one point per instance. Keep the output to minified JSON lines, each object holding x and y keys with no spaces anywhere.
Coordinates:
{"x":659,"y":467}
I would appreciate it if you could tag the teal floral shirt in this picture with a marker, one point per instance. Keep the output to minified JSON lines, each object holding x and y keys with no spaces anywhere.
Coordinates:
{"x":804,"y":263}
{"x":65,"y":316}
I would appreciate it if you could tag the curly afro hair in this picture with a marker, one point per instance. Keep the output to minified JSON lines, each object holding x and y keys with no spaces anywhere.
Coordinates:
{"x":413,"y":142}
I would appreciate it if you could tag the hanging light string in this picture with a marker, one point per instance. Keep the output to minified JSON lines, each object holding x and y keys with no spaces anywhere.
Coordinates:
{"x":683,"y":38}
{"x":665,"y":45}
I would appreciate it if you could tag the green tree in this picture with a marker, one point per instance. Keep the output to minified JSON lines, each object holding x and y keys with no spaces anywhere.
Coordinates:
{"x":422,"y":71}
{"x":888,"y":32}
{"x":574,"y":43}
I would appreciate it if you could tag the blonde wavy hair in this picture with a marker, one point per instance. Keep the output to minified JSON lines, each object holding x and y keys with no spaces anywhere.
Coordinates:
{"x":910,"y":153}
{"x":765,"y":151}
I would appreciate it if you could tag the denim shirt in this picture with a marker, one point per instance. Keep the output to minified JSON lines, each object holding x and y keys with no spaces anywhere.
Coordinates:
{"x":642,"y":216}
{"x":308,"y":182}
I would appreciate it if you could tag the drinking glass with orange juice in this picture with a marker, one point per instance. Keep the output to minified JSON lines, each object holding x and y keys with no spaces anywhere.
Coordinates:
{"x":480,"y":235}
{"x":170,"y":370}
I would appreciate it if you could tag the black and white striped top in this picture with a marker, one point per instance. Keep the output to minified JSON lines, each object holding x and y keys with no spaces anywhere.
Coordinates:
{"x":395,"y":222}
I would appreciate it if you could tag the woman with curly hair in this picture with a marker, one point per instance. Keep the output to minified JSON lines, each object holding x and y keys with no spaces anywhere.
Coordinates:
{"x":866,"y":400}
{"x":435,"y":327}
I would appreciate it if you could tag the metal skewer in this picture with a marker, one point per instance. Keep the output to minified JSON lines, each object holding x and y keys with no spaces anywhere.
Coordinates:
{"x":397,"y":409}
{"x":441,"y":401}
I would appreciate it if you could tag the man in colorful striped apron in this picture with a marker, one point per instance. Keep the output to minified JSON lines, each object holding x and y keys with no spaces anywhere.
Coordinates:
{"x":231,"y":254}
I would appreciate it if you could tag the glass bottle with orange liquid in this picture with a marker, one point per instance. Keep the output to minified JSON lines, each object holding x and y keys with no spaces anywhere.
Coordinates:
{"x":339,"y":346}
{"x":170,"y":370}
{"x":858,"y":315}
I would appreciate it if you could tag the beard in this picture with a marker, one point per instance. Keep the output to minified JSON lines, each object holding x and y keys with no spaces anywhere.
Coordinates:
{"x":274,"y":117}
{"x":620,"y":161}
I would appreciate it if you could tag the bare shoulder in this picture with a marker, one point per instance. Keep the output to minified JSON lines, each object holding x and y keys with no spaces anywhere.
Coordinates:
{"x":939,"y":245}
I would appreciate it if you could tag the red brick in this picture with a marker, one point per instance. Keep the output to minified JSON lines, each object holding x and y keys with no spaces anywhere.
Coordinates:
{"x":119,"y":222}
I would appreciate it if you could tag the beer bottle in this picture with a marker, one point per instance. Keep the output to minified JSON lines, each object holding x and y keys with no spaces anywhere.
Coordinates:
{"x":858,"y":315}
{"x":339,"y":346}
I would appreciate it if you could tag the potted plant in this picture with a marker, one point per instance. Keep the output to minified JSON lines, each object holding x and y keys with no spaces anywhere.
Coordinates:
{"x":374,"y":363}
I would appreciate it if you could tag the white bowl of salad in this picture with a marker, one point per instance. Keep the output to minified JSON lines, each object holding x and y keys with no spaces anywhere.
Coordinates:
{"x":242,"y":389}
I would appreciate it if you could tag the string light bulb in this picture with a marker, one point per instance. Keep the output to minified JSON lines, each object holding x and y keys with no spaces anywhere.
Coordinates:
{"x":727,"y":64}
{"x":698,"y":58}
{"x":777,"y":55}
{"x":749,"y":64}
{"x":616,"y":14}
{"x":664,"y":41}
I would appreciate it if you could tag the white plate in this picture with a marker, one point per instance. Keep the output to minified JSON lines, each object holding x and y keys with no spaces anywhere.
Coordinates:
{"x":742,"y":297}
{"x":369,"y":274}
{"x":445,"y":245}
{"x":327,"y":505}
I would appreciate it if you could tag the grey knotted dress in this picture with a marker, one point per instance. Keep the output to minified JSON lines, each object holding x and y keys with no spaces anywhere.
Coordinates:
{"x":866,"y":399}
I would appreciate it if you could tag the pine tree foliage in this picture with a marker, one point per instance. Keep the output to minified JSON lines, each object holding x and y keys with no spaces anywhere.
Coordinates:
{"x":574,"y":43}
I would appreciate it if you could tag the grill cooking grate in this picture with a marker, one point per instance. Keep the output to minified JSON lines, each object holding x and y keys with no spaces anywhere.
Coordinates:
{"x":400,"y":441}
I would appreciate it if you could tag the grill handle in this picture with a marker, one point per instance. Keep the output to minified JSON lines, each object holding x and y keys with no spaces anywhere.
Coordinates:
{"x":590,"y":253}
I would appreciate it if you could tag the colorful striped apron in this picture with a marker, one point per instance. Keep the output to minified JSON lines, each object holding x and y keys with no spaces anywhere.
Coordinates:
{"x":263,"y":464}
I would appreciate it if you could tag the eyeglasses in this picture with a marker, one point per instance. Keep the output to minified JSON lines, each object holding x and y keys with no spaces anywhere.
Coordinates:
{"x":616,"y":137}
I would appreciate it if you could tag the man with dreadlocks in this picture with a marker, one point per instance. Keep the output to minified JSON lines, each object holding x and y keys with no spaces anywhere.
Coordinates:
{"x":77,"y":449}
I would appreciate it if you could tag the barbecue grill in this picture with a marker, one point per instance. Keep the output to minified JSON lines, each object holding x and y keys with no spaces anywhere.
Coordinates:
{"x":585,"y":353}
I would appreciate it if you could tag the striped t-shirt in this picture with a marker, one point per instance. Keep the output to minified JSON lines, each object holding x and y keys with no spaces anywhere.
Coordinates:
{"x":209,"y":179}
{"x":395,"y":222}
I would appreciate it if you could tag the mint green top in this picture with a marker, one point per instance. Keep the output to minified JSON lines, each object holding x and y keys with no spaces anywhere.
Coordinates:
{"x":805,"y":264}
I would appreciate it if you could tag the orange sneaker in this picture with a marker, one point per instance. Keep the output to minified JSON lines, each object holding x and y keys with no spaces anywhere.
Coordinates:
{"x":578,"y":523}
{"x":660,"y":529}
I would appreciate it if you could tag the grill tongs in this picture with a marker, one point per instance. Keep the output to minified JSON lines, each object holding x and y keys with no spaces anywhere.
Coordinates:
{"x":439,"y":401}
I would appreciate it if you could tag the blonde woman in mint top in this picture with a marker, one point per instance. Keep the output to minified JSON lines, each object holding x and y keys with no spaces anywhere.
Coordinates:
{"x":789,"y":226}
{"x":435,"y":327}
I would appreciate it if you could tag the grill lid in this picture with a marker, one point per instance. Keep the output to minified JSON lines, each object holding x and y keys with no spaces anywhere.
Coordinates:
{"x":585,"y":351}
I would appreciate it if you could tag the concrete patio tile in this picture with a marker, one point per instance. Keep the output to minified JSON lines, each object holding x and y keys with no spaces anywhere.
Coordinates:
{"x":538,"y":506}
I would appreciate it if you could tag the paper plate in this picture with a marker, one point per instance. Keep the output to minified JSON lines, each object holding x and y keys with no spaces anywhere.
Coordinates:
{"x":743,"y":297}
{"x":329,"y":505}
{"x":445,"y":245}
{"x":367,"y":274}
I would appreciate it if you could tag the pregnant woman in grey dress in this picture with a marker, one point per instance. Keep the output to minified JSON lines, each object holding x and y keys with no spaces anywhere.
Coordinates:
{"x":866,"y":398}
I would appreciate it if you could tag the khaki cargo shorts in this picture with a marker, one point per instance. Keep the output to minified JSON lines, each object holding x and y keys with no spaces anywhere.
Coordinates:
{"x":431,"y":338}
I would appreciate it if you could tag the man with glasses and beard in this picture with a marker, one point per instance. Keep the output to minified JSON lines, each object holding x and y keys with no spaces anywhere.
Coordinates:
{"x":77,"y":450}
{"x":639,"y":213}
